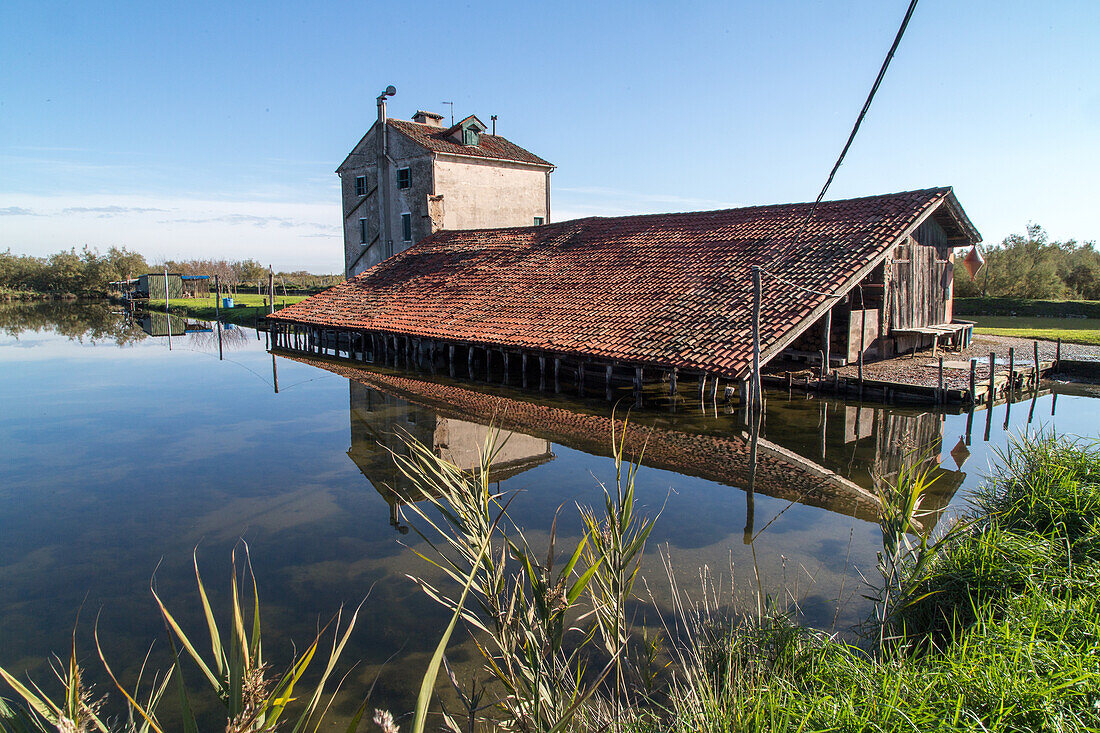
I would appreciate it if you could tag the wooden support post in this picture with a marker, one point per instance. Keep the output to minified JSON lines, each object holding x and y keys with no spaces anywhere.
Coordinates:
{"x":451,"y":359}
{"x":757,"y":397}
{"x":542,"y":374}
{"x":1011,"y":370}
{"x":638,"y":386}
{"x":672,"y":382}
{"x":1058,"y":355}
{"x":580,"y":377}
{"x":270,"y":290}
{"x":992,"y":380}
{"x":470,"y":361}
{"x":557,"y":371}
{"x":524,"y":364}
{"x":828,"y":338}
{"x":504,"y":354}
{"x":1035,"y":383}
{"x":973,"y":381}
{"x":702,"y":386}
{"x":714,"y":392}
{"x":217,"y":301}
{"x":608,"y":386}
{"x":941,"y":395}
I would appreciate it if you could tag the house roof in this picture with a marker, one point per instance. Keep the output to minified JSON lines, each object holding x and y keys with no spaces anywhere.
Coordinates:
{"x":673,"y":290}
{"x":439,"y":140}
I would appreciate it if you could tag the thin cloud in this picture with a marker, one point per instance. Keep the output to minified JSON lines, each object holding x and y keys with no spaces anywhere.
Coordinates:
{"x":105,"y":212}
{"x":261,"y":222}
{"x":18,"y":211}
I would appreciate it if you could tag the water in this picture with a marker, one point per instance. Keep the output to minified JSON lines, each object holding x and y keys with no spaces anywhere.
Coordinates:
{"x":122,"y":455}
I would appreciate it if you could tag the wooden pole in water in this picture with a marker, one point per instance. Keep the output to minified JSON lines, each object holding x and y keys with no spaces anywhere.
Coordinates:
{"x":1058,"y":355}
{"x":1011,"y":369}
{"x":992,"y":380}
{"x":757,"y":398}
{"x":217,"y":299}
{"x":1035,"y":384}
{"x":828,"y":337}
{"x":973,"y":381}
{"x":942,"y":395}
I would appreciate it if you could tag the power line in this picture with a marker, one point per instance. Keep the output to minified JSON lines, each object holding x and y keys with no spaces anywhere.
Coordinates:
{"x":859,"y":120}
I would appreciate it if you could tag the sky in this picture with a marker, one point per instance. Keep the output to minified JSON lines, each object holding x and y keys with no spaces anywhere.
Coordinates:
{"x":212,"y":129}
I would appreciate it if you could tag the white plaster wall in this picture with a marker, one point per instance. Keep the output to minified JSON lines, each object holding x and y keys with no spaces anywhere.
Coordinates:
{"x":491,"y":194}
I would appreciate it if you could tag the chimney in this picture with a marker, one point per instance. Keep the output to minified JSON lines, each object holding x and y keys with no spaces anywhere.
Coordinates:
{"x":428,"y":118}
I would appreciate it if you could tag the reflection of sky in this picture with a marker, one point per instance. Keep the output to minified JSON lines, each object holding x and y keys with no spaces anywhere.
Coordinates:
{"x":119,"y":458}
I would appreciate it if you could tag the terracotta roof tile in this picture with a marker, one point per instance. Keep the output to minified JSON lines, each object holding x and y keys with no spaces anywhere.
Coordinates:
{"x":673,"y":290}
{"x":489,"y":146}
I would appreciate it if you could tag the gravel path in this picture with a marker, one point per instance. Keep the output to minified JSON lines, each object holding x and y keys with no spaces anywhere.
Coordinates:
{"x":921,"y":369}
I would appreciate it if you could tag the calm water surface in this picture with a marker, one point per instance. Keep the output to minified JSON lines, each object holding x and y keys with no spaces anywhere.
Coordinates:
{"x":122,"y":453}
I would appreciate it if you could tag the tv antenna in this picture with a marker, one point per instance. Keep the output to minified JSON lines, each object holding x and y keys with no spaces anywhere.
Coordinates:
{"x":452,"y":105}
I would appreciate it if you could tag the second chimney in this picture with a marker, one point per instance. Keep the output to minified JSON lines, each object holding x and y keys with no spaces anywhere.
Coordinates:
{"x":428,"y":118}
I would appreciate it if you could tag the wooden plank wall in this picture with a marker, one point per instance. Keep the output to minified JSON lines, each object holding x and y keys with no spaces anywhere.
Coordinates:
{"x":919,"y":284}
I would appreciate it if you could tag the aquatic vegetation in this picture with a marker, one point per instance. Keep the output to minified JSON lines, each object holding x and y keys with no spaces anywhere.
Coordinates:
{"x":256,"y":697}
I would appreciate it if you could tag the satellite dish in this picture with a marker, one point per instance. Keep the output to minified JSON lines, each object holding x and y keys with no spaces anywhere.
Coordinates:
{"x":391,"y":90}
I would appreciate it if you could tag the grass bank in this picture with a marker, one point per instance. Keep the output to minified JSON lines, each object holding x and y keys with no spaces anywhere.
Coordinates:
{"x":1070,"y":330}
{"x":245,"y":311}
{"x":1023,"y":307}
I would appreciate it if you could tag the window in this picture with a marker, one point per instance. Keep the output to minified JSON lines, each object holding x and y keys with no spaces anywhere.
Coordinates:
{"x":538,"y":221}
{"x":404,"y":178}
{"x":469,"y":136}
{"x":362,"y":231}
{"x":407,"y":227}
{"x":360,"y":185}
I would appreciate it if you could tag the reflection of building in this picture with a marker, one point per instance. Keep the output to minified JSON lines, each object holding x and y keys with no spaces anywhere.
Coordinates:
{"x":162,"y":324}
{"x":380,"y":421}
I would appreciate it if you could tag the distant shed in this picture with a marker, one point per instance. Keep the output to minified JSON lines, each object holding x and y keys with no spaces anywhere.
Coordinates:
{"x":151,"y":285}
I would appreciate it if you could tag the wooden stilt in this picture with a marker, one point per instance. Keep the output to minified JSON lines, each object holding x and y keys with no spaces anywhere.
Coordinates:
{"x":1011,"y":370}
{"x":672,"y":382}
{"x":827,"y":337}
{"x":542,"y":374}
{"x":524,"y":366}
{"x":638,"y":386}
{"x":504,"y":354}
{"x":470,"y":361}
{"x":451,"y":359}
{"x":973,"y":381}
{"x":608,"y":389}
{"x":1035,"y":383}
{"x":992,"y":381}
{"x":580,"y":377}
{"x":557,"y":370}
{"x":940,"y":393}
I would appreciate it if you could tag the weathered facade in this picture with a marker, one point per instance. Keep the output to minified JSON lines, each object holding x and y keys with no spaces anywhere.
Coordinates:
{"x":407,"y":179}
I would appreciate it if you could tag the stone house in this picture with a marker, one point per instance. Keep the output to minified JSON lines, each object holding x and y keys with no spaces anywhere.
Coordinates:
{"x":407,"y":179}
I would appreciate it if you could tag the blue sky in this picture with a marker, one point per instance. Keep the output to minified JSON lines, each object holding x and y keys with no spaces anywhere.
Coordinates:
{"x":213,"y":129}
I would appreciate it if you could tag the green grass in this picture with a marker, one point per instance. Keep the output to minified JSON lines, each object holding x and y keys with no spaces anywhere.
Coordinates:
{"x":1070,"y":330}
{"x":247,"y":308}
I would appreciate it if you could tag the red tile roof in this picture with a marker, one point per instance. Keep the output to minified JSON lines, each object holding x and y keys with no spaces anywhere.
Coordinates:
{"x":673,"y":290}
{"x":489,"y":146}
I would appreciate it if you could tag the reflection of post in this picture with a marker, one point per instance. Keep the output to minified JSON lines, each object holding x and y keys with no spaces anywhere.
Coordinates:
{"x":1008,"y":409}
{"x":988,"y":418}
{"x":1053,"y":402}
{"x":167,"y":308}
{"x":1031,"y":410}
{"x":750,"y":498}
{"x":274,"y":374}
{"x":969,"y":423}
{"x":824,"y":425}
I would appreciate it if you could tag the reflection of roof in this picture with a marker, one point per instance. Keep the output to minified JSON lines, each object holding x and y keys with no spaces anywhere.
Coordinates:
{"x":674,"y":290}
{"x":723,"y":459}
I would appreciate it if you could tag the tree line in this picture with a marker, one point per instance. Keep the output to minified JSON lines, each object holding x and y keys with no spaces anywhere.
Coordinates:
{"x":88,"y":272}
{"x":1034,"y":267}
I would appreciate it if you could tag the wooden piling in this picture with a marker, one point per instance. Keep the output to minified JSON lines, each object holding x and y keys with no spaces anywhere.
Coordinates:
{"x":1058,"y":355}
{"x":757,"y":398}
{"x":992,"y":395}
{"x":1011,"y":370}
{"x":557,"y":371}
{"x":542,"y":374}
{"x":942,"y":395}
{"x":973,"y":381}
{"x":828,"y":337}
{"x":1035,"y":385}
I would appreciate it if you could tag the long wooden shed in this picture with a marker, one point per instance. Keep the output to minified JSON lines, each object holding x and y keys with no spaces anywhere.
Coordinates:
{"x":656,"y":296}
